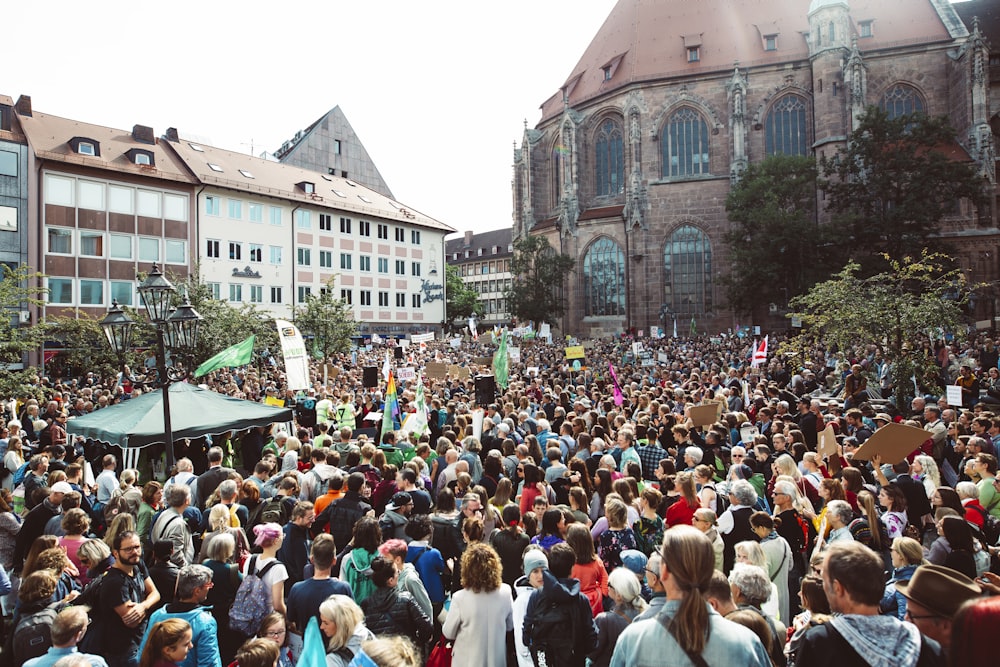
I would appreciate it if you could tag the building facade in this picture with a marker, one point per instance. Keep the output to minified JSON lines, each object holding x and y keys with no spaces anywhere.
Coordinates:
{"x":629,"y":168}
{"x":13,"y":188}
{"x":484,"y":262}
{"x":331,"y":146}
{"x":271,"y":234}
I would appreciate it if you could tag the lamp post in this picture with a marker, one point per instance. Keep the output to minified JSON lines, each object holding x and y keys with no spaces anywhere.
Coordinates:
{"x":176,"y":330}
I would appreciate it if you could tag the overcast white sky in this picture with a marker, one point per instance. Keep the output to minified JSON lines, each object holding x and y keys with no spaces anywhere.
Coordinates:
{"x":437,"y":90}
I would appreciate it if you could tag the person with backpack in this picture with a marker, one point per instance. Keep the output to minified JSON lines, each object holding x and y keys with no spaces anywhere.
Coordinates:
{"x":340,"y":515}
{"x":125,"y":597}
{"x":193,"y":585}
{"x":355,"y":568}
{"x":263,"y":587}
{"x":31,"y":637}
{"x":559,"y":627}
{"x":67,"y":630}
{"x":34,"y":522}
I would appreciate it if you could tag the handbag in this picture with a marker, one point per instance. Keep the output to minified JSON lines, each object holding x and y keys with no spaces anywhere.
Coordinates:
{"x":441,"y":654}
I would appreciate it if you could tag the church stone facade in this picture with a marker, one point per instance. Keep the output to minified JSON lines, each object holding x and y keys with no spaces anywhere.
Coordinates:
{"x":629,"y":168}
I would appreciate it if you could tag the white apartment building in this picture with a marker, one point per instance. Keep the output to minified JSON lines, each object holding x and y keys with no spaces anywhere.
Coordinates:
{"x":271,"y":234}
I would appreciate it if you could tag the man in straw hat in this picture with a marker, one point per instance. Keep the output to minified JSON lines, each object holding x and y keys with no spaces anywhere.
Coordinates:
{"x":933,"y":595}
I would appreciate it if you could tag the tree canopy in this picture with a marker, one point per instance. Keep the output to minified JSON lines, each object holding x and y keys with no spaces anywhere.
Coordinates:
{"x":890,"y":188}
{"x":17,"y":293}
{"x":536,"y":292}
{"x":912,"y":297}
{"x":775,"y":242}
{"x":462,"y":300}
{"x":328,"y":320}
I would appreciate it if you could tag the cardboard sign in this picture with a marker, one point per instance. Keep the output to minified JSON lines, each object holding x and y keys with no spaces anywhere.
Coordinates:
{"x":515,"y":354}
{"x":483,"y":361}
{"x":456,"y":342}
{"x":460,"y":372}
{"x":575,"y":352}
{"x":954,"y":395}
{"x":422,"y":338}
{"x":894,"y":442}
{"x":662,"y":357}
{"x":827,"y":442}
{"x":436,"y":370}
{"x":704,"y":415}
{"x":532,"y":370}
{"x":406,"y":373}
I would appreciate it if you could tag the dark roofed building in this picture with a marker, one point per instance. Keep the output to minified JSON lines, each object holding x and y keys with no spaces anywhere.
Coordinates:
{"x":484,"y":262}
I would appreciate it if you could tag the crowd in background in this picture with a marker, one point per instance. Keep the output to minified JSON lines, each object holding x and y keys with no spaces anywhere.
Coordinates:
{"x":560,"y":525}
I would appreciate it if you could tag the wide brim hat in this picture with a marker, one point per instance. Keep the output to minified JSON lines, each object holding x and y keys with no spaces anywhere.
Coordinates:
{"x":940,"y":589}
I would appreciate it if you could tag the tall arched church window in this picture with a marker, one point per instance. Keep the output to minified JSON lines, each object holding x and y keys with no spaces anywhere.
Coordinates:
{"x":684,"y":144}
{"x":901,"y":100}
{"x":687,"y":271}
{"x":610,"y":159}
{"x":785,"y":127}
{"x":558,"y":153}
{"x":604,"y":278}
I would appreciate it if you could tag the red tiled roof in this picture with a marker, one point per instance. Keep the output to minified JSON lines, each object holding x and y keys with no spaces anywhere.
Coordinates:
{"x":650,"y":36}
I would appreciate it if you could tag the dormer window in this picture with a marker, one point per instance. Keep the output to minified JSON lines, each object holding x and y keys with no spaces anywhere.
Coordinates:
{"x":770,"y":42}
{"x":306,"y":187}
{"x":85,"y":146}
{"x":141,"y":157}
{"x":865,"y":29}
{"x":607,"y":73}
{"x":692,"y":43}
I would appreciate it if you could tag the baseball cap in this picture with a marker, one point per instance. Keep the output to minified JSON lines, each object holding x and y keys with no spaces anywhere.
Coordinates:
{"x":398,"y":500}
{"x":634,"y":560}
{"x":61,"y":487}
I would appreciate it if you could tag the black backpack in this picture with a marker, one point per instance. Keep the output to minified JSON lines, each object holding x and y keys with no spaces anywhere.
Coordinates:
{"x":32,"y":636}
{"x":551,"y":643}
{"x":275,"y":511}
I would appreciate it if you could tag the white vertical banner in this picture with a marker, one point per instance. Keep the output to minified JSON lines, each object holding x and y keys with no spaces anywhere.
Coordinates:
{"x":294,"y":351}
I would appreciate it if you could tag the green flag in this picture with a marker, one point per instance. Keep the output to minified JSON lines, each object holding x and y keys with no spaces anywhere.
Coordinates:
{"x":500,"y":362}
{"x":237,"y":355}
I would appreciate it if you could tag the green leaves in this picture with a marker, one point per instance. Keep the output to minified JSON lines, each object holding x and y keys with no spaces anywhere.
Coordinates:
{"x":20,"y":288}
{"x":328,"y":320}
{"x":462,"y":300}
{"x":539,"y":275}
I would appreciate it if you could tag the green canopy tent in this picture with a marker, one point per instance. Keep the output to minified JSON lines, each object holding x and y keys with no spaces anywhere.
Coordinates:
{"x":194,"y":412}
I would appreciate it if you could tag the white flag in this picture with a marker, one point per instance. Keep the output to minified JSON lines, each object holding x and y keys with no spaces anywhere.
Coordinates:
{"x":294,"y":351}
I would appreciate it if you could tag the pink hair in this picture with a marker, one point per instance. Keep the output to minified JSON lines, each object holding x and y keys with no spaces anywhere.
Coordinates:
{"x":391,"y":548}
{"x":267,"y":534}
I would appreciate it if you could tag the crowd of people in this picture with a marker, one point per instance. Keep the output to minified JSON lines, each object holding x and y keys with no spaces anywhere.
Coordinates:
{"x":578,"y":516}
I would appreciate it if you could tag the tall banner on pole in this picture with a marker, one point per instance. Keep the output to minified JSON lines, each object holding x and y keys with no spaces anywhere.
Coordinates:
{"x":294,"y":351}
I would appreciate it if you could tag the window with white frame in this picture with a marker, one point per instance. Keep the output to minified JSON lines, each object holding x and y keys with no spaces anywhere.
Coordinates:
{"x":235,"y":292}
{"x":325,"y":222}
{"x":383,"y":265}
{"x":235,"y":251}
{"x":123,"y":291}
{"x":303,"y":219}
{"x":235,"y":209}
{"x":91,"y":243}
{"x":121,"y":200}
{"x":59,"y":190}
{"x":415,"y":236}
{"x":213,"y":205}
{"x":345,"y":225}
{"x":415,"y":268}
{"x":400,"y":300}
{"x":60,"y":291}
{"x":274,"y":213}
{"x":400,"y":267}
{"x":365,"y":263}
{"x":60,"y":241}
{"x":364,"y":228}
{"x":304,"y":257}
{"x":256,"y":253}
{"x":91,"y":292}
{"x":120,"y":246}
{"x":149,"y":249}
{"x":256,"y":212}
{"x":215,"y":289}
{"x":347,"y":296}
{"x":175,"y":207}
{"x":304,"y":293}
{"x":90,"y":195}
{"x":345,"y":261}
{"x":325,"y":259}
{"x":383,"y":232}
{"x":212,"y":248}
{"x":275,"y":294}
{"x":256,"y":294}
{"x":175,"y":251}
{"x":148,"y":204}
{"x":400,"y":235}
{"x":383,"y":299}
{"x":416,"y":301}
{"x":275,"y":254}
{"x":366,"y":297}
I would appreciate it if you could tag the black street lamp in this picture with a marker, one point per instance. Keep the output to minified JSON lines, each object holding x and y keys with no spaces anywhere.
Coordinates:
{"x":176,"y":330}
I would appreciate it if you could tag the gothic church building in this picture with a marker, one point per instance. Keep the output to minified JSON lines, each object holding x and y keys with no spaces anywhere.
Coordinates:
{"x":629,"y":167}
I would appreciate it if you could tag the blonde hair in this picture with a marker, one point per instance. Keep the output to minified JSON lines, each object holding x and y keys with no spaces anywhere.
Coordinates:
{"x":344,"y":613}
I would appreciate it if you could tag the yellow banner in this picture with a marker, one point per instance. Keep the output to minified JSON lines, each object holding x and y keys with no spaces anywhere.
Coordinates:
{"x":274,"y":400}
{"x":575,"y":352}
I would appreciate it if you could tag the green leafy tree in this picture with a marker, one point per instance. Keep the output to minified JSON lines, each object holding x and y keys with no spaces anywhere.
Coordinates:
{"x":891,"y":309}
{"x":774,"y":241}
{"x":86,"y":349}
{"x":224,"y":324}
{"x":539,"y":276}
{"x":328,"y":320}
{"x":463,"y":301}
{"x":18,"y":291}
{"x":892,"y":185}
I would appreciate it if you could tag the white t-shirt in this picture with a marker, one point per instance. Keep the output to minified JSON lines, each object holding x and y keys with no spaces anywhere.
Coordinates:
{"x":275,"y":575}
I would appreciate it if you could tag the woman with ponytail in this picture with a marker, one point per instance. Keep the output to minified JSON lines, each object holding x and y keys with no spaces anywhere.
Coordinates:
{"x":509,"y":544}
{"x":687,"y":628}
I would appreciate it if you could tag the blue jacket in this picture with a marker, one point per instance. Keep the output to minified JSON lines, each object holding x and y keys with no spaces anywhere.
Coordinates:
{"x":893,"y":602}
{"x":204,"y":632}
